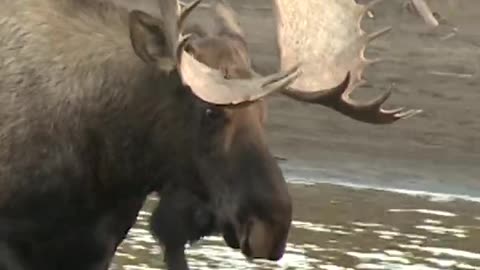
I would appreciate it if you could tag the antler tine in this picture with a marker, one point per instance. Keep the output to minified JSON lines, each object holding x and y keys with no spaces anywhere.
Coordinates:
{"x":208,"y":83}
{"x":174,"y":22}
{"x":364,"y":62}
{"x":425,"y":12}
{"x":169,"y":12}
{"x":324,"y":97}
{"x":181,"y":47}
{"x":336,"y":99}
{"x":336,"y":49}
{"x":226,"y":19}
{"x":378,"y":33}
{"x":185,"y":13}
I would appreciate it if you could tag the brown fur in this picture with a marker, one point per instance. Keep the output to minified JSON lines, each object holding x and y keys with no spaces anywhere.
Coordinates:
{"x":79,"y":101}
{"x":88,"y":129}
{"x":76,"y":122}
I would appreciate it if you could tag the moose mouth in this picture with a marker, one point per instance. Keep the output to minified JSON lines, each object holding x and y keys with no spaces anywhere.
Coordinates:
{"x":239,"y":238}
{"x":245,"y":244}
{"x":230,"y":236}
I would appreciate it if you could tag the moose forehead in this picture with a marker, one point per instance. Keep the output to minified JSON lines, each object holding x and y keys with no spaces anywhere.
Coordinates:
{"x":245,"y":120}
{"x":246,"y":112}
{"x":228,"y":53}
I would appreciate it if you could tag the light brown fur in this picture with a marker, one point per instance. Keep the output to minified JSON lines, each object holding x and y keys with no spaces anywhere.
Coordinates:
{"x":86,"y":61}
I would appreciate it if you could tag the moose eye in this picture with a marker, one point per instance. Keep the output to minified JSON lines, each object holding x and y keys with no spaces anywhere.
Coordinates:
{"x":213,"y":113}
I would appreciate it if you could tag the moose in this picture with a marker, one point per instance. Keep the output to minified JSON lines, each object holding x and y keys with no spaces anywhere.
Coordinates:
{"x":191,"y":220}
{"x":101,"y":105}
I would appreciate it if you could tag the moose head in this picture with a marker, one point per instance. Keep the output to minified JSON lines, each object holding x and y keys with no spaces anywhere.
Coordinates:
{"x":322,"y":62}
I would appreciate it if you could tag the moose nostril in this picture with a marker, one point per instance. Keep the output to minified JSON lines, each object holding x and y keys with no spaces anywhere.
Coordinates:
{"x":230,"y":236}
{"x":276,"y":254}
{"x":246,"y":249}
{"x":275,"y":257}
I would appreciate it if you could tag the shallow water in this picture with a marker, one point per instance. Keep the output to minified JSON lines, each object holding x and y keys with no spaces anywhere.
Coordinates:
{"x":337,"y":227}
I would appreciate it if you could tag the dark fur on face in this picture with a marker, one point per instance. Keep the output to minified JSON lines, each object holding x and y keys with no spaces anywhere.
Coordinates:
{"x":180,"y":218}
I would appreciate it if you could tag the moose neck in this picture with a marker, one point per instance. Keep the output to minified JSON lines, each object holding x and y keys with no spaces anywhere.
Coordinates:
{"x":140,"y":117}
{"x":145,"y":133}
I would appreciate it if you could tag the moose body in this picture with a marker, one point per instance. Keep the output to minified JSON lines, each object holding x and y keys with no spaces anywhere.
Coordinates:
{"x":78,"y":110}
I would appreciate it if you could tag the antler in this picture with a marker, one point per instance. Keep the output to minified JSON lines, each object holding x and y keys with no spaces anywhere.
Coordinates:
{"x":205,"y":82}
{"x":326,"y":37}
{"x":423,"y":10}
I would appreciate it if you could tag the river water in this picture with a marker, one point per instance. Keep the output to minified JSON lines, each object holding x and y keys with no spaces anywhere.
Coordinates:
{"x":342,"y":227}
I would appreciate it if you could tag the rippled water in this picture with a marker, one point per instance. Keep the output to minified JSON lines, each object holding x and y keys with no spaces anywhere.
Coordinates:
{"x":339,"y":227}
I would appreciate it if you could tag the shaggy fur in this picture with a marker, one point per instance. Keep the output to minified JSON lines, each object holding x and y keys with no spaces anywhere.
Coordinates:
{"x":78,"y":112}
{"x":88,"y":130}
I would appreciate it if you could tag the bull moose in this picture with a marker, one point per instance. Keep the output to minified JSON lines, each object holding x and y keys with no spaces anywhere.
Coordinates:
{"x":102,"y":105}
{"x":180,"y":217}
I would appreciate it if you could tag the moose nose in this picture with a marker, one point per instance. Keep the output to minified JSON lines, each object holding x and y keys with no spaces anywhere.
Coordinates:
{"x":277,"y":254}
{"x":261,"y":240}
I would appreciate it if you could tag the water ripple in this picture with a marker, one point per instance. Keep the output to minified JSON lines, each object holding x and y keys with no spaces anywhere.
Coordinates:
{"x":371,"y":231}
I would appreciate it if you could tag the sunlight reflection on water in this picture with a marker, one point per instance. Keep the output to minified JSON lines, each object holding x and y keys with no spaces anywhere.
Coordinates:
{"x":396,"y":237}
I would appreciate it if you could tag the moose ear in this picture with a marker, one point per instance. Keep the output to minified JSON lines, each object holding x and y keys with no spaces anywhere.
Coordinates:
{"x":148,"y":38}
